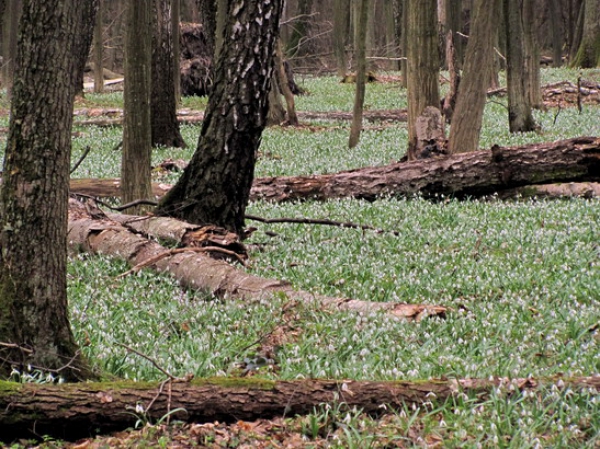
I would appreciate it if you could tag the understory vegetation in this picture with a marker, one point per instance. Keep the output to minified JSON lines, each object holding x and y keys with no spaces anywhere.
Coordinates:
{"x":522,"y":280}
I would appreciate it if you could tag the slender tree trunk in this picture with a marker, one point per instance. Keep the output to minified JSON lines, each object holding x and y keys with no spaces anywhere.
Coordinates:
{"x":215,"y":186}
{"x":472,"y":93}
{"x":520,"y":117}
{"x":588,"y":53}
{"x":453,"y":23}
{"x":297,"y":45}
{"x":292,"y":117}
{"x":341,"y":26}
{"x":361,"y":72}
{"x":55,"y":35}
{"x":208,"y":18}
{"x":10,"y":30}
{"x":99,"y":50}
{"x":137,"y":133}
{"x":163,"y":103}
{"x":423,"y":65}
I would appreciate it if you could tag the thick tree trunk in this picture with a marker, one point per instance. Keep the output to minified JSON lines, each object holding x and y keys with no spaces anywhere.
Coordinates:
{"x":137,"y":141}
{"x":78,"y":411}
{"x":163,"y":103}
{"x":423,"y":66}
{"x":463,"y":175}
{"x":520,"y":118}
{"x":472,"y":92}
{"x":215,"y":186}
{"x":33,"y":219}
{"x":588,"y":54}
{"x":531,"y":53}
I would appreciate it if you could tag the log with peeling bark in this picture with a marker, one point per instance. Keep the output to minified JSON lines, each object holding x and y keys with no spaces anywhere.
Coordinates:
{"x":79,"y":410}
{"x":193,"y":268}
{"x":474,"y":174}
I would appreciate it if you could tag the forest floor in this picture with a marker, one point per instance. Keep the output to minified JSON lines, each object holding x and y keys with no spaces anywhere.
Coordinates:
{"x":327,"y":427}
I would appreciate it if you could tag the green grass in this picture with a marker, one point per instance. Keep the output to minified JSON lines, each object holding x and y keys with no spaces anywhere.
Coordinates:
{"x":522,"y":279}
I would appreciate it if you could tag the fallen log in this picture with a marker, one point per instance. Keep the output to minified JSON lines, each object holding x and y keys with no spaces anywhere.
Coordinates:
{"x":506,"y":171}
{"x":475,"y":174}
{"x":194,"y":269}
{"x":73,"y":411}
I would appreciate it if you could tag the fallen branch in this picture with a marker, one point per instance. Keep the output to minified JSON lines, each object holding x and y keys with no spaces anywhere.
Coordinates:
{"x":78,"y":410}
{"x":320,"y":221}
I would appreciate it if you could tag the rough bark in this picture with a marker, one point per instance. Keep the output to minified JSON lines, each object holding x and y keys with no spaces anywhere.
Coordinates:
{"x":361,"y":71}
{"x":472,"y":174}
{"x":193,"y":268}
{"x":472,"y":93}
{"x":215,"y":186}
{"x":531,"y":53}
{"x":588,"y":53}
{"x":423,"y":66}
{"x":556,"y":30}
{"x":520,"y":118}
{"x":78,"y":411}
{"x":163,"y":103}
{"x":137,"y":142}
{"x":33,"y":295}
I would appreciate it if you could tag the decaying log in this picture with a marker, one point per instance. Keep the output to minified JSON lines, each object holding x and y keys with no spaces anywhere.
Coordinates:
{"x":198,"y":271}
{"x":473,"y":174}
{"x":74,"y":411}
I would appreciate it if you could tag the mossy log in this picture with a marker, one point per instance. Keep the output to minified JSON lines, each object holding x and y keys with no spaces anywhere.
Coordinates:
{"x":73,"y":411}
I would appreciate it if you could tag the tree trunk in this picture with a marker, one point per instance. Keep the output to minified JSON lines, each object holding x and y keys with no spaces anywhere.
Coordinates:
{"x":472,"y":174}
{"x":520,"y":118}
{"x":215,"y":186}
{"x":284,"y":83}
{"x":453,"y":24}
{"x":361,"y":72}
{"x":531,"y":53}
{"x":341,"y":28}
{"x":208,"y":18}
{"x":556,"y":30}
{"x":175,"y":39}
{"x":588,"y":53}
{"x":73,"y":412}
{"x":33,"y":222}
{"x":403,"y":23}
{"x":163,"y":103}
{"x":99,"y":50}
{"x":10,"y":30}
{"x":472,"y":94}
{"x":423,"y":66}
{"x":137,"y":133}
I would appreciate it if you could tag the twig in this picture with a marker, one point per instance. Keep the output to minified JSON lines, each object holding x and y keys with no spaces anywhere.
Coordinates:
{"x":579,"y":107}
{"x":135,"y":203}
{"x":556,"y":115}
{"x":320,"y":221}
{"x":15,"y":346}
{"x":150,"y":359}
{"x":172,"y":252}
{"x":83,"y":156}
